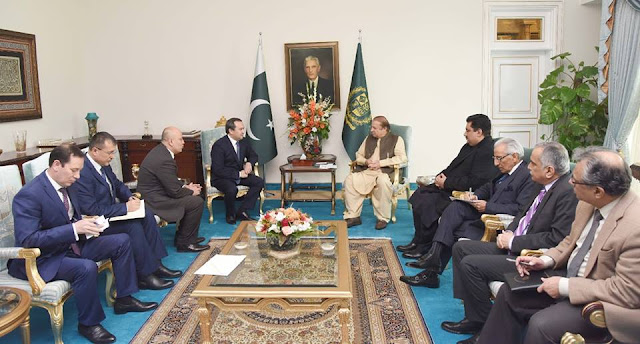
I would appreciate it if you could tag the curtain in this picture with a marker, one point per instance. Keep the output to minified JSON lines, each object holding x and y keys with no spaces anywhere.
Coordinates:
{"x":624,"y":76}
{"x":606,"y":25}
{"x":635,"y":4}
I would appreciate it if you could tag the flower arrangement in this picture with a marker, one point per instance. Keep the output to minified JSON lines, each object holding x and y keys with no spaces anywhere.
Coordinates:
{"x":285,"y":224}
{"x":309,"y":123}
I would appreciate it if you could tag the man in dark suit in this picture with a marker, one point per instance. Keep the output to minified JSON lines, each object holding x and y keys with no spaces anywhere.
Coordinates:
{"x":470,"y":169}
{"x":232,"y":160}
{"x":542,"y":224}
{"x":600,"y":256}
{"x":314,"y":86}
{"x":46,"y":216}
{"x":505,"y":194}
{"x":100,"y":192}
{"x":167,"y":196}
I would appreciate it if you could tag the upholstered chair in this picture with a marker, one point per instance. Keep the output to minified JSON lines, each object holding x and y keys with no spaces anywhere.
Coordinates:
{"x":50,"y":296}
{"x":33,"y":168}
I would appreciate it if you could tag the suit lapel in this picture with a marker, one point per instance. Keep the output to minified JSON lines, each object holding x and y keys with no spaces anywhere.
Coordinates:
{"x":547,"y":196}
{"x":53,"y":194}
{"x":95,"y":172}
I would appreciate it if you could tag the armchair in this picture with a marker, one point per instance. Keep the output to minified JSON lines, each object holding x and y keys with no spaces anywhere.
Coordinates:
{"x":207,"y":139}
{"x":50,"y":296}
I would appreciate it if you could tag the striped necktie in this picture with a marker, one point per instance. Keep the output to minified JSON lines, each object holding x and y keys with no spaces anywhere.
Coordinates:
{"x":523,"y":225}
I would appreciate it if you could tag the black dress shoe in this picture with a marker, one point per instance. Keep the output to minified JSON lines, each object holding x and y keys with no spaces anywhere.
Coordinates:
{"x":463,"y":326}
{"x":405,"y":248}
{"x":154,"y":282}
{"x":472,"y":340}
{"x":199,"y":240}
{"x":192,"y":248}
{"x":96,"y":334}
{"x":131,"y":304}
{"x":414,"y":254}
{"x":165,"y":272}
{"x":424,"y":279}
{"x":243,"y":216}
{"x":231,"y":220}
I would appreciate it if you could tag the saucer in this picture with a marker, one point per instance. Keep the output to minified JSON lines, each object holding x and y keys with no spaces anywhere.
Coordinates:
{"x":327,"y":246}
{"x":241,"y":245}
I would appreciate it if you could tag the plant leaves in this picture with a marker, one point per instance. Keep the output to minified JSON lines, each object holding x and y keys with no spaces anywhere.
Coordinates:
{"x":583,"y":91}
{"x":567,"y":94}
{"x":561,"y":56}
{"x":550,"y":112}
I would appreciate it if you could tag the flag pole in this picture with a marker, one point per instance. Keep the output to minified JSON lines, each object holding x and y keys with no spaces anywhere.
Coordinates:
{"x":360,"y":36}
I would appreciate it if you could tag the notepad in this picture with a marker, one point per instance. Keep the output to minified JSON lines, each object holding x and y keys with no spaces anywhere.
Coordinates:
{"x":138,"y":214}
{"x":220,"y":265}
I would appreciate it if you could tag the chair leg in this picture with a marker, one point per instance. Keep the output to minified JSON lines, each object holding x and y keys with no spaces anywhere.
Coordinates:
{"x":57,"y":320}
{"x":109,"y":289}
{"x":408,"y":194}
{"x":262,"y":197}
{"x":394,"y":206}
{"x":210,"y":207}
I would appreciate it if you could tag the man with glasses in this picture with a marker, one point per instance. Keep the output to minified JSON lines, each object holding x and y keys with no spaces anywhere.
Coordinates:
{"x":543,"y":223}
{"x":508,"y":193}
{"x":600,"y":256}
{"x":100,"y":192}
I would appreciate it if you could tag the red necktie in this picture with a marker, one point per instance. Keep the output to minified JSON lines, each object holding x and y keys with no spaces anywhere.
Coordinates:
{"x":65,"y":201}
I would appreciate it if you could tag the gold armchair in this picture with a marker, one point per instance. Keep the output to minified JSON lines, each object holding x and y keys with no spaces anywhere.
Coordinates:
{"x":397,"y":187}
{"x":213,"y":193}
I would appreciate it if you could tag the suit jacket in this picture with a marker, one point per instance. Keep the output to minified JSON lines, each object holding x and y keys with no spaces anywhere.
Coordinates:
{"x":94,"y":195}
{"x":159,"y":185}
{"x":41,"y":221}
{"x":472,"y":167}
{"x":325,"y":88}
{"x":511,"y":195}
{"x":552,"y":220}
{"x":224,"y":160}
{"x":611,"y":274}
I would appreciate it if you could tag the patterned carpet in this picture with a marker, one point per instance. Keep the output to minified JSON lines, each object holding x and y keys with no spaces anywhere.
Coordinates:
{"x":384,"y":309}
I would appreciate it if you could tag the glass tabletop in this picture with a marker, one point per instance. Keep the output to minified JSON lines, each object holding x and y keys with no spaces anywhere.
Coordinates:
{"x":9,"y":300}
{"x":313,"y":263}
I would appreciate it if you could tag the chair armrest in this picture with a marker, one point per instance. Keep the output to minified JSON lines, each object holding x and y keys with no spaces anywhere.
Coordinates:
{"x":256,"y":169}
{"x":594,"y":313}
{"x":532,"y":253}
{"x":457,"y":194}
{"x":29,"y":255}
{"x":396,"y":174}
{"x":492,"y":224}
{"x":207,"y":175}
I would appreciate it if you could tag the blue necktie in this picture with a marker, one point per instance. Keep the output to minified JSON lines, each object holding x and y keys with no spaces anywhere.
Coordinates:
{"x":104,"y":175}
{"x":502,"y":178}
{"x":238,"y":149}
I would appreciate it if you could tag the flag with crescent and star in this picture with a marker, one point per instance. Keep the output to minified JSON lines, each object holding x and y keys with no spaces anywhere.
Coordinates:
{"x":260,"y":130}
{"x":357,"y":118}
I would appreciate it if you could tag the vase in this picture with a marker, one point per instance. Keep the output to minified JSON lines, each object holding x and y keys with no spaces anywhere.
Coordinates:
{"x":311,"y":146}
{"x":286,"y":249}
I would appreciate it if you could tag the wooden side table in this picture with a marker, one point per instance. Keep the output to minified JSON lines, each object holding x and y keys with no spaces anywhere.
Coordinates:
{"x":289,"y":169}
{"x":15,"y":305}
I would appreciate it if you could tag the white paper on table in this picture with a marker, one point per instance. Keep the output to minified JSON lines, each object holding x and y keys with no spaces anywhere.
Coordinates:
{"x":221,"y":265}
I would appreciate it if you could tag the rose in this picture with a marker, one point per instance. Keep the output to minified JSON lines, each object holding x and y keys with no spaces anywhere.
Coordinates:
{"x":287,"y":230}
{"x":280,"y":216}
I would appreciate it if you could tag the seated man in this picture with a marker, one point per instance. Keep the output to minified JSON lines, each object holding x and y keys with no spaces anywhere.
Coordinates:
{"x":470,"y":169}
{"x":232,"y":160}
{"x":544,"y":224}
{"x":46,"y":216}
{"x":167,"y":196}
{"x":373,"y":175}
{"x":506,"y":194}
{"x":600,"y":258}
{"x":100,"y":192}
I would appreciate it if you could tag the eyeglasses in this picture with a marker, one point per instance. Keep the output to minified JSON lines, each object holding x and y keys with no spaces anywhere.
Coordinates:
{"x":499,"y":158}
{"x":575,"y":182}
{"x":113,"y":152}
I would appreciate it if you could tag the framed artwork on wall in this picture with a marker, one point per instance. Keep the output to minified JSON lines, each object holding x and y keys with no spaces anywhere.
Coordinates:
{"x":312,"y":69}
{"x":19,"y":88}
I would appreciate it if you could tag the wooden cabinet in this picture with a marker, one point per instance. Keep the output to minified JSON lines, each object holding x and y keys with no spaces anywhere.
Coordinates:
{"x":134,"y":149}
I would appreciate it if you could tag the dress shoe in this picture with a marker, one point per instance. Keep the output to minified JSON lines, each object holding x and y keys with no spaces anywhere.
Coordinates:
{"x":243,"y":216}
{"x":430,"y":260}
{"x":471,"y":340}
{"x":154,"y":282}
{"x":424,"y":279}
{"x":96,"y":334}
{"x":381,"y":224}
{"x":231,"y":220}
{"x":199,"y":240}
{"x":131,"y":304}
{"x":192,"y":248}
{"x":464,"y":326}
{"x":165,"y":272}
{"x":408,"y":247}
{"x":354,"y":221}
{"x":414,"y":254}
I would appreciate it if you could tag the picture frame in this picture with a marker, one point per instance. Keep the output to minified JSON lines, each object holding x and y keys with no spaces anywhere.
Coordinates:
{"x":19,"y":86}
{"x":297,"y":76}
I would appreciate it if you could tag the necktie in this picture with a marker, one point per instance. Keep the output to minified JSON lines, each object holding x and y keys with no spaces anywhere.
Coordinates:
{"x":238,"y":149}
{"x":503,"y":177}
{"x":104,"y":175}
{"x":524,"y":222}
{"x":67,"y":206}
{"x":576,"y":262}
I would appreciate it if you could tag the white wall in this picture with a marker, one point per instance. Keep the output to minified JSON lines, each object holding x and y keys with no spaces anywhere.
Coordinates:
{"x":188,"y":63}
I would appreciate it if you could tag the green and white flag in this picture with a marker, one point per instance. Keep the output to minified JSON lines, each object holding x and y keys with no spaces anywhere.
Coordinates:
{"x":357,"y":119}
{"x":260,"y":128}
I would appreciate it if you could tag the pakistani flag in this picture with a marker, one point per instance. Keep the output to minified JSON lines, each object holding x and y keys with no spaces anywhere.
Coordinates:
{"x":357,"y":119}
{"x":260,"y":129}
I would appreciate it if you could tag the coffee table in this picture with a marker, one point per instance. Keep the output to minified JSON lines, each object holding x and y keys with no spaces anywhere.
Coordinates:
{"x":322,"y":277}
{"x":15,"y":305}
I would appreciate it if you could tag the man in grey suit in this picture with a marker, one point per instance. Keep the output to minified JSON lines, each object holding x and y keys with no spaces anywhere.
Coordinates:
{"x":167,"y":196}
{"x":542,"y":224}
{"x":508,"y":193}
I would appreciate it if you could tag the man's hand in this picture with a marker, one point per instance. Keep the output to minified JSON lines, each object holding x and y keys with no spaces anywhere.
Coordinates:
{"x":550,"y":286}
{"x":440,"y":179}
{"x":196,"y":188}
{"x":243,"y":174}
{"x":526,"y":264}
{"x":503,"y":240}
{"x":469,"y":196}
{"x":248,"y":168}
{"x":133,"y":204}
{"x":480,"y":206}
{"x":374,"y":165}
{"x":87,"y":226}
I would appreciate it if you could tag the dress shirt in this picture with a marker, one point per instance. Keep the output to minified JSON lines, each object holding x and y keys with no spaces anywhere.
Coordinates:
{"x":57,"y":187}
{"x":235,"y":145}
{"x":549,"y":262}
{"x":98,"y":168}
{"x":400,"y":156}
{"x":546,"y":187}
{"x":516,"y":167}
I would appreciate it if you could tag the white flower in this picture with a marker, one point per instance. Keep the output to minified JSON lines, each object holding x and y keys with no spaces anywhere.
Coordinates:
{"x":314,"y":129}
{"x":279,"y":216}
{"x":259,"y":226}
{"x":305,"y":226}
{"x":274,"y":228}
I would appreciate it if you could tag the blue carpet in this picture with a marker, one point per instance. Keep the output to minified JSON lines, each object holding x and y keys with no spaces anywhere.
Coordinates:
{"x":437,"y":305}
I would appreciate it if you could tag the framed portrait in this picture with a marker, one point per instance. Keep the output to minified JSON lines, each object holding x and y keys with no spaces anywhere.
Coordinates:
{"x":312,"y":69}
{"x":19,"y":88}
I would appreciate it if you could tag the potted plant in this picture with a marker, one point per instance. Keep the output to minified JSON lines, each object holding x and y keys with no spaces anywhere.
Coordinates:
{"x":565,"y":99}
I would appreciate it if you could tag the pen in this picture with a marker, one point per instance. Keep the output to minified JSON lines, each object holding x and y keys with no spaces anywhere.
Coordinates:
{"x":521,"y":263}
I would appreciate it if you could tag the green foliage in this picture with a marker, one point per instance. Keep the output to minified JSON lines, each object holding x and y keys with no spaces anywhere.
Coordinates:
{"x":565,"y":102}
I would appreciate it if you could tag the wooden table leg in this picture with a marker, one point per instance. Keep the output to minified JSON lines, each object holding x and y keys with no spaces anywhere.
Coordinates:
{"x":283,"y":183}
{"x":26,"y":331}
{"x":205,"y":321}
{"x":333,"y":192}
{"x":290,"y":183}
{"x":343,"y":314}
